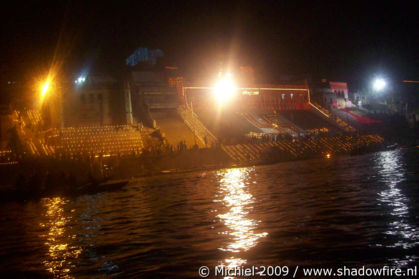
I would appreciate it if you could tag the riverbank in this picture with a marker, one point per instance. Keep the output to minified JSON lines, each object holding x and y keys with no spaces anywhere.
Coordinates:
{"x":40,"y":173}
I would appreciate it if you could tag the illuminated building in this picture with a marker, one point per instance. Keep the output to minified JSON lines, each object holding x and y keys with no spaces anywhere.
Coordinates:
{"x":334,"y":94}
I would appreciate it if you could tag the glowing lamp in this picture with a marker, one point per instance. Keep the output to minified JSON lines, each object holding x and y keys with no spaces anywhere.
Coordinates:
{"x":379,"y":84}
{"x":80,"y":80}
{"x":224,"y":89}
{"x":44,"y":89}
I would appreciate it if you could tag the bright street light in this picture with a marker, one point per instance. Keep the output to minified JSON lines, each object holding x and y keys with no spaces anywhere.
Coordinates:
{"x":379,"y":84}
{"x":44,"y":89}
{"x":224,"y":89}
{"x":80,"y":80}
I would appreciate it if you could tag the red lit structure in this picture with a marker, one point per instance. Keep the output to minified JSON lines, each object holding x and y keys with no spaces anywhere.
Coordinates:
{"x":337,"y":94}
{"x":261,"y":97}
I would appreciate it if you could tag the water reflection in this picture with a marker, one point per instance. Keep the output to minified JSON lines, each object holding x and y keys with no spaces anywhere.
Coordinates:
{"x":391,"y":170}
{"x":236,"y":198}
{"x":61,"y":253}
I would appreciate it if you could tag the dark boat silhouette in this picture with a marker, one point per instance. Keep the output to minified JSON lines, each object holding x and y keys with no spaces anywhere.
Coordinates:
{"x":29,"y":192}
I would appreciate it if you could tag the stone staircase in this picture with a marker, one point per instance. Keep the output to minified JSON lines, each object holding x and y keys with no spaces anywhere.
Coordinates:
{"x":284,"y":124}
{"x":327,"y":115}
{"x":196,"y":126}
{"x":252,"y":152}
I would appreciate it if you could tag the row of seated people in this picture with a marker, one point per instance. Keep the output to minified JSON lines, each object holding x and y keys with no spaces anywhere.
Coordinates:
{"x":118,"y":139}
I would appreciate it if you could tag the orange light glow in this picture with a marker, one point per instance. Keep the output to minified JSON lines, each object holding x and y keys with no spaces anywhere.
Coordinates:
{"x":44,"y":89}
{"x":224,"y":89}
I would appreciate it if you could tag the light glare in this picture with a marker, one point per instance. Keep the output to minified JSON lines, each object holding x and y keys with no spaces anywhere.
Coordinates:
{"x":80,"y":80}
{"x":379,"y":84}
{"x":224,"y":89}
{"x":45,"y":89}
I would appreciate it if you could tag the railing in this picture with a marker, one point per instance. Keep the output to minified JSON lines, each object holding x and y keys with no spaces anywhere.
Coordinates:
{"x":255,"y":122}
{"x":199,"y":129}
{"x":320,"y":110}
{"x":284,"y":123}
{"x":332,"y":118}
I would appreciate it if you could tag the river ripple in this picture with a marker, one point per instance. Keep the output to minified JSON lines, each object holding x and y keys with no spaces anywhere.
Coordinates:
{"x":332,"y":212}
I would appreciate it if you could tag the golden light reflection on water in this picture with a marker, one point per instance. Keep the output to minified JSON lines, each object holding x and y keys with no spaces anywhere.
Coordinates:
{"x":235,"y":196}
{"x":61,"y":253}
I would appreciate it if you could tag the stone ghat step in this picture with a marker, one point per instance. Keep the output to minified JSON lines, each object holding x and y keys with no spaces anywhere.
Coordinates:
{"x":252,"y":152}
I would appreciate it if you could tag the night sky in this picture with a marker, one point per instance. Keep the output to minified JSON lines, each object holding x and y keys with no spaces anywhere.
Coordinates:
{"x":340,"y":40}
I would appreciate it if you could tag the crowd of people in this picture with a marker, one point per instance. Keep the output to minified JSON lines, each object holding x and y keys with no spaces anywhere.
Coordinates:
{"x":99,"y":139}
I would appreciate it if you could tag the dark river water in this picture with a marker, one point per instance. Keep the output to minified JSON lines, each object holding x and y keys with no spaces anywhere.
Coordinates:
{"x":352,"y":211}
